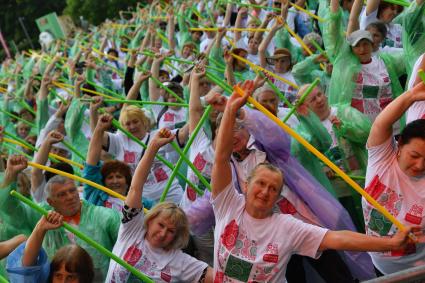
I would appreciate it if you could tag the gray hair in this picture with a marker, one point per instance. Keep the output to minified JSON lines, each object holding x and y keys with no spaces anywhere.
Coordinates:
{"x":309,"y":37}
{"x":262,"y":89}
{"x":58,"y":179}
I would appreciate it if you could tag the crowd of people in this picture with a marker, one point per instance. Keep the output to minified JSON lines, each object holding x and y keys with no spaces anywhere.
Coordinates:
{"x":139,"y":133}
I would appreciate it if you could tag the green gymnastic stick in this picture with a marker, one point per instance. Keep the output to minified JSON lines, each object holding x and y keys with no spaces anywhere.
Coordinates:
{"x":18,"y":118}
{"x":302,"y":98}
{"x":3,"y":280}
{"x":85,"y":238}
{"x":117,"y":125}
{"x":139,"y":102}
{"x":73,"y":149}
{"x":20,"y":140}
{"x":186,"y":150}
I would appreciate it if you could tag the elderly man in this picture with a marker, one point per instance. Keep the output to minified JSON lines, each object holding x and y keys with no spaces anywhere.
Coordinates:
{"x":62,"y":195}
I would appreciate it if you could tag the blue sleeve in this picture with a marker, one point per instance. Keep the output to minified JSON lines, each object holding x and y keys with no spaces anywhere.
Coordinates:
{"x":93,"y":195}
{"x":36,"y":273}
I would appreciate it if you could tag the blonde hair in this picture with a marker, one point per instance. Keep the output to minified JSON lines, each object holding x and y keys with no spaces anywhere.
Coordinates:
{"x":131,"y":112}
{"x":175,"y":215}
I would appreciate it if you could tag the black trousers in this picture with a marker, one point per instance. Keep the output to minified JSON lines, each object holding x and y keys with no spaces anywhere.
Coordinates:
{"x":329,"y":266}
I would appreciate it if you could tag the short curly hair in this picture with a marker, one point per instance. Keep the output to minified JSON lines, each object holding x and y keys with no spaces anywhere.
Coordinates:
{"x":111,"y":166}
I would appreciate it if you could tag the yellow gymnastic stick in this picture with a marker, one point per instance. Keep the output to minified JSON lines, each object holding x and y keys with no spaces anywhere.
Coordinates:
{"x":325,"y":160}
{"x":301,"y":42}
{"x":62,"y":85}
{"x":306,"y":11}
{"x":55,"y":156}
{"x":230,"y":29}
{"x":254,"y":66}
{"x":79,"y":179}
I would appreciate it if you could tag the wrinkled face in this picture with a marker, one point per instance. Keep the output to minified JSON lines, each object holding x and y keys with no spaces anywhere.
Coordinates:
{"x":23,"y":130}
{"x":161,"y":232}
{"x":240,"y":138}
{"x":26,"y":115}
{"x":411,"y":158}
{"x":64,"y":198}
{"x":269,"y":100}
{"x":59,"y":151}
{"x":317,"y":101}
{"x":282,"y":64}
{"x":363,"y":50}
{"x":389,"y":13}
{"x":158,"y":43}
{"x":311,"y":47}
{"x":264,"y":189}
{"x":239,"y":65}
{"x":377,"y":38}
{"x":187,"y":51}
{"x":63,"y":276}
{"x":253,"y":46}
{"x":196,"y":36}
{"x":116,"y":182}
{"x":135,"y":127}
{"x":205,"y":86}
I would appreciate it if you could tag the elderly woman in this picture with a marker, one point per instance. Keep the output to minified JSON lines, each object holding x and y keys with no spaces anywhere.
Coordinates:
{"x":248,"y":233}
{"x":395,"y":178}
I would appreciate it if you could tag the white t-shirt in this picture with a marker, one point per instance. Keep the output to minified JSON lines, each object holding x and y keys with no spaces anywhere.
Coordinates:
{"x":201,"y":154}
{"x":417,"y":109}
{"x":128,"y":151}
{"x":403,"y":197}
{"x":373,"y":88}
{"x":257,"y":250}
{"x":394,"y":31}
{"x":289,"y":91}
{"x":292,"y":121}
{"x":158,"y":264}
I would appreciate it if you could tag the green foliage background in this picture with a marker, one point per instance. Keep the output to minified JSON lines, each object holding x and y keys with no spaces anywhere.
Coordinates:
{"x":94,"y":11}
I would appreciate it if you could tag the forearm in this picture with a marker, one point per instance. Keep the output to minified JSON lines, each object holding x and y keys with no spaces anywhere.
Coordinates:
{"x":371,"y":6}
{"x":353,"y":241}
{"x":95,"y":147}
{"x":134,"y":196}
{"x":195,"y":106}
{"x":33,"y":246}
{"x":353,"y":22}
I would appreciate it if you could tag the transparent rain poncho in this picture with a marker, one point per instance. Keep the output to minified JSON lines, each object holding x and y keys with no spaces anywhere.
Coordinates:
{"x":99,"y":223}
{"x":347,"y":66}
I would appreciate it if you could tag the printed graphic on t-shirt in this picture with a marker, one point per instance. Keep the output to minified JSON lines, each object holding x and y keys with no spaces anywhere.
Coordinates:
{"x":286,"y":207}
{"x":129,"y":156}
{"x":241,"y":253}
{"x":160,"y":174}
{"x":414,"y":215}
{"x":199,"y":162}
{"x":169,"y":117}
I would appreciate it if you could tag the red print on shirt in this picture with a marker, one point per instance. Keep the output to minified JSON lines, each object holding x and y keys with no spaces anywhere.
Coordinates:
{"x":166,"y":277}
{"x":160,"y":175}
{"x":375,"y":188}
{"x":132,"y":255}
{"x":286,"y":207}
{"x":230,"y":234}
{"x":191,"y":194}
{"x":415,"y":214}
{"x":129,"y":156}
{"x":168,"y":117}
{"x":423,"y":116}
{"x":199,"y":162}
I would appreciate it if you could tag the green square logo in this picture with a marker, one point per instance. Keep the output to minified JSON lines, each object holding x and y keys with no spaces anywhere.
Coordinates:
{"x":238,"y":269}
{"x":370,"y":91}
{"x":379,"y":223}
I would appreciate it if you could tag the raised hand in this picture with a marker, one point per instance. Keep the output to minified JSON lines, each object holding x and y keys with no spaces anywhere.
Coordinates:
{"x":52,"y":221}
{"x":162,"y":137}
{"x":104,"y":122}
{"x":54,"y":137}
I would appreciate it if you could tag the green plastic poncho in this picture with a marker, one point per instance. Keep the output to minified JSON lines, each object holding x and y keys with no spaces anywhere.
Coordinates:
{"x":99,"y":223}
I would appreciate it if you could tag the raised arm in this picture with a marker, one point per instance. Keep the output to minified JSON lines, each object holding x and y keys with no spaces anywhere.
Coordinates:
{"x":372,"y":6}
{"x":382,"y":127}
{"x":171,"y":30}
{"x":154,"y":90}
{"x":42,"y":156}
{"x":135,"y":89}
{"x":77,"y":85}
{"x":353,"y":22}
{"x":221,"y":171}
{"x":259,"y":34}
{"x":96,"y":141}
{"x":195,"y":106}
{"x":32,"y":248}
{"x":243,"y":12}
{"x":266,"y":41}
{"x":134,"y":196}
